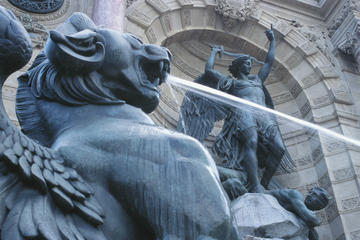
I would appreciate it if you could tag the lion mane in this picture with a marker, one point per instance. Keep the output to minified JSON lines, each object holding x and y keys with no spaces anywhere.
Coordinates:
{"x":44,"y":81}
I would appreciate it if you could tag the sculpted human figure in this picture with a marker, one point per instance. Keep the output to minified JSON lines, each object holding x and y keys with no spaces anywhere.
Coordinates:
{"x":93,"y":165}
{"x":245,"y":129}
{"x":293,"y":201}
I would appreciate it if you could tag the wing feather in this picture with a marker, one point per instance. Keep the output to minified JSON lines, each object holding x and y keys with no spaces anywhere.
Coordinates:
{"x":48,"y":172}
{"x":6,"y":185}
{"x":10,"y":228}
{"x":25,"y":166}
{"x":32,"y":206}
{"x":198,"y":114}
{"x":287,"y":164}
{"x":74,"y":229}
{"x":63,"y":226}
{"x":44,"y":219}
{"x":26,"y":224}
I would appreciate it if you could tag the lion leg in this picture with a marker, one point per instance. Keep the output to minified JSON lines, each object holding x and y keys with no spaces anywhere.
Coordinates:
{"x":177,"y":196}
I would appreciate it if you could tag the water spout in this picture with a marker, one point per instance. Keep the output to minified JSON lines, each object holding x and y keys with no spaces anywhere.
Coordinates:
{"x":235,"y":101}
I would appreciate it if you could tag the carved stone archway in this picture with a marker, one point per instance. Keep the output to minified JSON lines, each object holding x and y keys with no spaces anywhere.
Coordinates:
{"x":309,"y":89}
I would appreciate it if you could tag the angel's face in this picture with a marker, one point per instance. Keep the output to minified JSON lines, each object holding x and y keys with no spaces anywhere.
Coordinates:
{"x":245,"y":66}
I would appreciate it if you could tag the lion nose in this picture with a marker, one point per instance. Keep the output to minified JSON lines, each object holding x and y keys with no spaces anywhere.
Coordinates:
{"x":155,"y":50}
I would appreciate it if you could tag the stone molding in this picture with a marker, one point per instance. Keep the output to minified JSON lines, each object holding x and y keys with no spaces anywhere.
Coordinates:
{"x":158,"y":5}
{"x":185,"y":2}
{"x":139,"y":18}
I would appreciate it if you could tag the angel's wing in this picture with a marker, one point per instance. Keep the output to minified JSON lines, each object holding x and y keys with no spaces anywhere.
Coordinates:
{"x":198,"y":114}
{"x":40,"y":198}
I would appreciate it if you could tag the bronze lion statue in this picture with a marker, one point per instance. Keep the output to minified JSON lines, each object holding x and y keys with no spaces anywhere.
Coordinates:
{"x":89,"y":163}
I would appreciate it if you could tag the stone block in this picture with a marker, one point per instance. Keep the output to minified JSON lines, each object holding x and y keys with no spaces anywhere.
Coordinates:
{"x":261,"y":215}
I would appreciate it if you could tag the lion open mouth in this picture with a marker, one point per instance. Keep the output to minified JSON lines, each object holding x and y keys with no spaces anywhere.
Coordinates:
{"x":154,"y":73}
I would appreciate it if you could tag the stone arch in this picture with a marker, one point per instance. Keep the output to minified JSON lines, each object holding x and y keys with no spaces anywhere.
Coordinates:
{"x":308,"y":70}
{"x":312,"y":85}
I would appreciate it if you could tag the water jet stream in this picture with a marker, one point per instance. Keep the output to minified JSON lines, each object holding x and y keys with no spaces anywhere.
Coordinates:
{"x":233,"y":101}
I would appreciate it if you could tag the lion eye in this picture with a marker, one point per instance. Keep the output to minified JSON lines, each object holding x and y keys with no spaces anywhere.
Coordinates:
{"x":137,"y":43}
{"x":139,"y":40}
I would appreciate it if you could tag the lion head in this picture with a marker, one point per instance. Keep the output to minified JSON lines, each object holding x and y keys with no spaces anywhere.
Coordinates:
{"x":84,"y":64}
{"x":132,"y":70}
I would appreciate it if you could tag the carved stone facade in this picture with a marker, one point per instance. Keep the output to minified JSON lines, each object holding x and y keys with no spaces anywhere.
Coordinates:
{"x":307,"y":82}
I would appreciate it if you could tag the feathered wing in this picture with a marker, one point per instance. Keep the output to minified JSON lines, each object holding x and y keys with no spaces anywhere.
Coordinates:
{"x":38,"y":193}
{"x":40,"y":198}
{"x":198,"y":114}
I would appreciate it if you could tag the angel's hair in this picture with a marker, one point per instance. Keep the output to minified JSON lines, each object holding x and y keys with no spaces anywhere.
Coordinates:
{"x":234,"y":68}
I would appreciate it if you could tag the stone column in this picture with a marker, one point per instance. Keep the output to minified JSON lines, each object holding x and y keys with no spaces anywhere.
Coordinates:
{"x":110,"y":13}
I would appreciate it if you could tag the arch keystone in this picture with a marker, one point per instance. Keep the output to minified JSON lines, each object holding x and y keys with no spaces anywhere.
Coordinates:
{"x":159,"y":5}
{"x":139,"y":18}
{"x":185,"y":3}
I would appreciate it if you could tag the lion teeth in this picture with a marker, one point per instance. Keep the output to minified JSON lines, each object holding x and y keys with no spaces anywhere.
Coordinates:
{"x":161,"y":66}
{"x":156,"y":81}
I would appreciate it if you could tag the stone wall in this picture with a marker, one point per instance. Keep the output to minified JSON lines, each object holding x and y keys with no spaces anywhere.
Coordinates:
{"x":307,"y":82}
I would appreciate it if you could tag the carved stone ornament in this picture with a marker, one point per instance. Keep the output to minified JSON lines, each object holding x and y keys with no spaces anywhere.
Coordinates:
{"x":129,"y":2}
{"x":350,"y":5}
{"x":38,"y":32}
{"x":38,"y":6}
{"x":318,"y":36}
{"x":234,"y":11}
{"x":351,"y":43}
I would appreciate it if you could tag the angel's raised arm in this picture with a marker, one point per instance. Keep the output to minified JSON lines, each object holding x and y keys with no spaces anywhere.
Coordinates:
{"x":265,"y":69}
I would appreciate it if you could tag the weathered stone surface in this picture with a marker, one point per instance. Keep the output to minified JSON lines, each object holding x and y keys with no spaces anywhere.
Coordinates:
{"x":261,"y":215}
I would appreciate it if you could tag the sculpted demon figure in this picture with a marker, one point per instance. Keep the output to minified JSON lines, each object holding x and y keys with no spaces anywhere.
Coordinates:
{"x":90,"y":164}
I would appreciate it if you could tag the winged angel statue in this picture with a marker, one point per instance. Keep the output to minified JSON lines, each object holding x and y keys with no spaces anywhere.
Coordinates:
{"x":89,"y":163}
{"x":249,"y":138}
